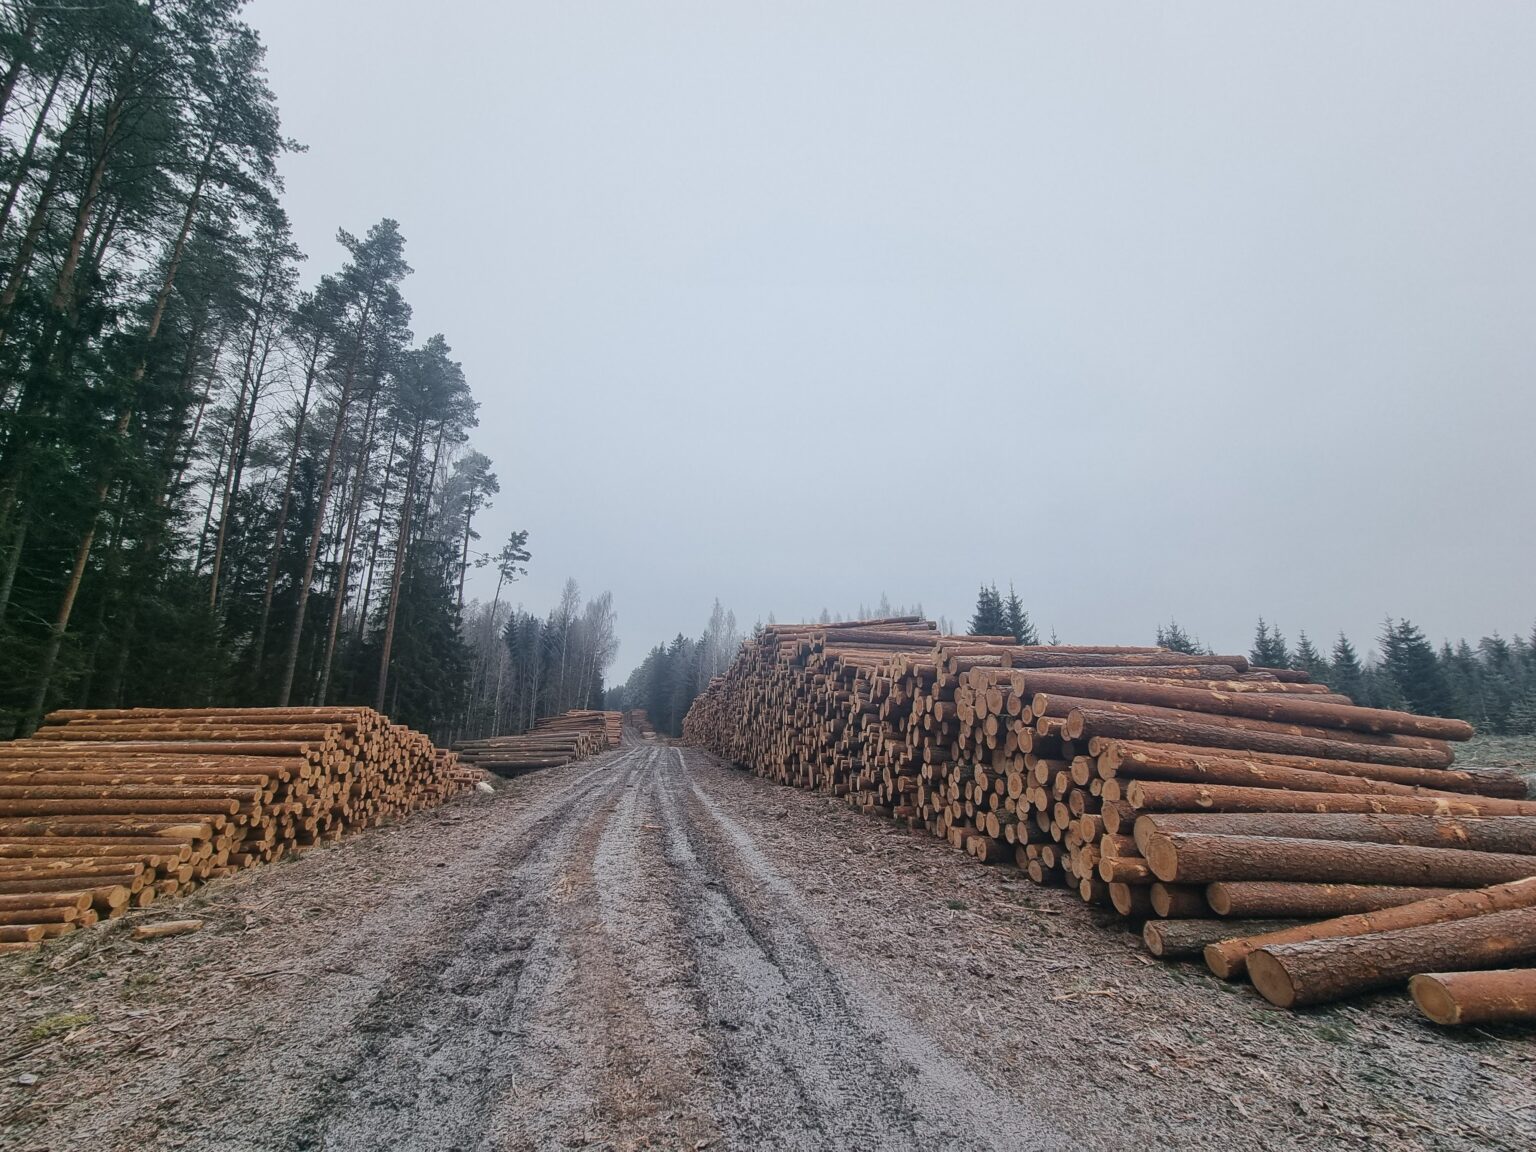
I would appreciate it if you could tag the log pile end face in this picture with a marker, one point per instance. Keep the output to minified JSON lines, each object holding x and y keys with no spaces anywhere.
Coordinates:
{"x":1275,"y":796}
{"x":553,"y":741}
{"x":102,"y":812}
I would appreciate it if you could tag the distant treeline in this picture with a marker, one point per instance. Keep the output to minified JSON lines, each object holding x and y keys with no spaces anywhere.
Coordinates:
{"x":1491,"y":684}
{"x":525,"y":666}
{"x":671,"y":675}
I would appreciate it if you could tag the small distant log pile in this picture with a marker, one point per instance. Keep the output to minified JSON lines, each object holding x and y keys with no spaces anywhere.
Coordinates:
{"x":551,"y":742}
{"x":1171,"y":787}
{"x":103,"y":811}
{"x":637,"y":719}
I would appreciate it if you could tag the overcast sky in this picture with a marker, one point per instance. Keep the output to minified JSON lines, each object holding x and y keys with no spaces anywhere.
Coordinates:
{"x":1197,"y":311}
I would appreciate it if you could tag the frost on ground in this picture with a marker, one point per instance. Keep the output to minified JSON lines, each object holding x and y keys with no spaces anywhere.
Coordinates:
{"x":650,"y":950}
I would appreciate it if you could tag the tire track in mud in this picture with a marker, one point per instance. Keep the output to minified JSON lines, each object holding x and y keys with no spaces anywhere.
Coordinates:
{"x":803,"y":1061}
{"x":446,"y":1034}
{"x":624,"y":1004}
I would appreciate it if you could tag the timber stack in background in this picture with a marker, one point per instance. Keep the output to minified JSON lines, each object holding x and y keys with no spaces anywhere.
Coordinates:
{"x":551,"y":742}
{"x":103,"y":811}
{"x":1232,"y":811}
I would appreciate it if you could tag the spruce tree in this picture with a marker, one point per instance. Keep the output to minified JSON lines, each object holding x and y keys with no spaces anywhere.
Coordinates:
{"x":1409,"y":658}
{"x":1344,"y":672}
{"x":1175,"y":639}
{"x":1308,"y":659}
{"x":989,"y":618}
{"x":1016,"y":621}
{"x":1269,"y":648}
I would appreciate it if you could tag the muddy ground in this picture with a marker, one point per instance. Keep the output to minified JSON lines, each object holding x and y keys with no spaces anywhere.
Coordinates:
{"x":651,"y":950}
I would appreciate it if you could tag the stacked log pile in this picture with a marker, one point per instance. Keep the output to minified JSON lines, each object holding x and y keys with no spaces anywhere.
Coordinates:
{"x":1168,"y":786}
{"x":102,"y":811}
{"x":551,"y":742}
{"x":637,"y":719}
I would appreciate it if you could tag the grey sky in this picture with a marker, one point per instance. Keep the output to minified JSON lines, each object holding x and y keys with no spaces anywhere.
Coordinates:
{"x":1200,"y":310}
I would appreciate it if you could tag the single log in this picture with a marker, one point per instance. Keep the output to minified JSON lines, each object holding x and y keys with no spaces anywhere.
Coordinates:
{"x":1320,"y":971}
{"x":1179,"y":901}
{"x":1501,"y":996}
{"x":56,"y":914}
{"x":1104,"y":721}
{"x":166,"y":928}
{"x":1195,"y":858}
{"x":1228,"y":959}
{"x":1132,"y":754}
{"x":1283,"y":708}
{"x":1176,"y":938}
{"x":1284,"y":900}
{"x":1124,"y":870}
{"x":1363,"y":743}
{"x":75,"y":898}
{"x":1133,"y":900}
{"x":1038,"y":658}
{"x":1156,"y":796}
{"x":1516,"y":834}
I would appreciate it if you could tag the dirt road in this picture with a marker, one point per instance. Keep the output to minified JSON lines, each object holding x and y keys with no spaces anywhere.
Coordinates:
{"x":650,"y":950}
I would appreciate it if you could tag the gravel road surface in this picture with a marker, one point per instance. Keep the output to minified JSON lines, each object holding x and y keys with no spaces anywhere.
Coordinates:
{"x":651,"y":950}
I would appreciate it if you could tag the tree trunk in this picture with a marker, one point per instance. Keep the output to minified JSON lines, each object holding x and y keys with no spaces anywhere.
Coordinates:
{"x":24,"y":162}
{"x":291,"y":658}
{"x":258,"y":647}
{"x":378,"y":535}
{"x":13,"y":73}
{"x":402,"y":552}
{"x":12,"y":563}
{"x":360,"y":488}
{"x":244,"y":416}
{"x":22,"y":261}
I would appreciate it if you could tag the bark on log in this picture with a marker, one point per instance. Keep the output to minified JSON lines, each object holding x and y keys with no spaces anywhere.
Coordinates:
{"x":166,"y":928}
{"x":1156,"y":796}
{"x":1500,"y":996}
{"x":1179,"y":901}
{"x":1195,"y":858}
{"x":1515,"y":834}
{"x":1102,"y":721}
{"x":1320,"y":971}
{"x":1228,"y":959}
{"x":1112,"y":754}
{"x":1171,"y":939}
{"x":1286,"y":900}
{"x":1283,"y":708}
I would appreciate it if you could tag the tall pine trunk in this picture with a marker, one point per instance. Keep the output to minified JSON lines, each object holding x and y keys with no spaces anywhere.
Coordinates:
{"x":402,"y":552}
{"x":258,"y":648}
{"x":296,"y":636}
{"x":360,"y":488}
